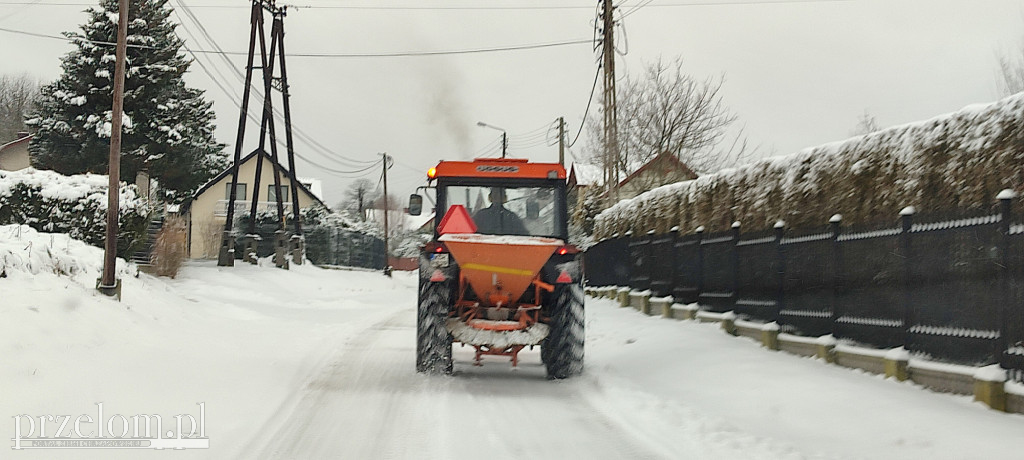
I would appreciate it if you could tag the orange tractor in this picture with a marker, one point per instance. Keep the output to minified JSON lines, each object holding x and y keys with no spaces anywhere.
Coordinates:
{"x":499,"y":274}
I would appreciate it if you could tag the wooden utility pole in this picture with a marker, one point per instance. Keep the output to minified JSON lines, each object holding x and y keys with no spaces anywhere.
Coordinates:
{"x":611,"y":124}
{"x":109,"y":284}
{"x":387,"y":253}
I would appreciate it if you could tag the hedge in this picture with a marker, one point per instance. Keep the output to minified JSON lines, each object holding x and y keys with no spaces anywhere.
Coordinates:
{"x":956,"y":162}
{"x":75,"y":205}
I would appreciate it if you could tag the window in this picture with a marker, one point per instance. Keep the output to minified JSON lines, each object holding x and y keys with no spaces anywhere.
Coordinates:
{"x":272,"y":196}
{"x":508,"y":210}
{"x":239,"y":191}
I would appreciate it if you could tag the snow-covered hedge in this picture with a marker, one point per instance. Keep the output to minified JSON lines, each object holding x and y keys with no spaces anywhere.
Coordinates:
{"x":75,"y":205}
{"x":959,"y":161}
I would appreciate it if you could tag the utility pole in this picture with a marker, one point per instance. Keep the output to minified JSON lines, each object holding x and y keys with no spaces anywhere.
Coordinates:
{"x":109,"y":284}
{"x":226,"y":255}
{"x":504,"y":143}
{"x":387,"y":253}
{"x":611,"y":124}
{"x":267,"y":126}
{"x":561,"y":141}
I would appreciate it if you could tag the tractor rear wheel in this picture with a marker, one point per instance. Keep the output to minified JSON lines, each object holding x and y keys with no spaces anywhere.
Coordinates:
{"x":564,"y":344}
{"x":433,"y":343}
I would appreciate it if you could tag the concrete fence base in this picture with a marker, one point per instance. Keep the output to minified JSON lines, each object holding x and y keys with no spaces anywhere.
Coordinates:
{"x":988,"y":385}
{"x":641,"y":301}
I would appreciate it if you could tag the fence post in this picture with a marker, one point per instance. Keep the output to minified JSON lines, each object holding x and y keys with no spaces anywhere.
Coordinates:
{"x":629,"y":258}
{"x":672,"y":259}
{"x":348,"y":247}
{"x":700,"y":261}
{"x":1005,"y":213}
{"x":906,"y":248}
{"x":780,"y":296}
{"x":835,"y":224}
{"x":735,"y":262}
{"x":648,"y":254}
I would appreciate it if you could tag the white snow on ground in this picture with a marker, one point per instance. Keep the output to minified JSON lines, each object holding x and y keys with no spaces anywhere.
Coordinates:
{"x":312,"y":363}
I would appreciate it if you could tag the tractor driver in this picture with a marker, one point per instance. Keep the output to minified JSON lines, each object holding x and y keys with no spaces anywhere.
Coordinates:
{"x":496,"y":219}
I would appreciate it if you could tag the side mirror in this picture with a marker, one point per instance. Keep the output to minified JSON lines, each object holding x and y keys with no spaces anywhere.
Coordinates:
{"x":415,"y":204}
{"x":532,"y":209}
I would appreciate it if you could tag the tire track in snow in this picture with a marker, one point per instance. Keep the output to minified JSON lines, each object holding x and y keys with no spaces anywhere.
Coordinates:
{"x":369,"y":402}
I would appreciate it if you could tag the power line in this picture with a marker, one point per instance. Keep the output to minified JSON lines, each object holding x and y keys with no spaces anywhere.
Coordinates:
{"x":438,"y":53}
{"x":323,"y":55}
{"x":307,"y":140}
{"x":251,"y":117}
{"x":16,"y":11}
{"x":353,"y":7}
{"x":459,"y":8}
{"x":597,"y":75}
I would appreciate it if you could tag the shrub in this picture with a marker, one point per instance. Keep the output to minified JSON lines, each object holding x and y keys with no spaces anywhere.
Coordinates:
{"x":76,"y":205}
{"x":169,"y":247}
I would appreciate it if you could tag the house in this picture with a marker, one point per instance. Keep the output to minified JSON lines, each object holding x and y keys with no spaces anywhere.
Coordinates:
{"x":581,"y":176}
{"x":14,"y":154}
{"x":664,"y":168}
{"x":207,"y":211}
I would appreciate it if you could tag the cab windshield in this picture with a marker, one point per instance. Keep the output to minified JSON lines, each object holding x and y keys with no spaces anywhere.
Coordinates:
{"x":507,"y":210}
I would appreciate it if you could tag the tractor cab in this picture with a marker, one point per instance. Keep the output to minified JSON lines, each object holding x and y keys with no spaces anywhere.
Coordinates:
{"x":501,"y":196}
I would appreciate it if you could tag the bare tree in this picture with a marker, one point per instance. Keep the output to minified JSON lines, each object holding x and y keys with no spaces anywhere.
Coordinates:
{"x":358,"y":197}
{"x":19,"y":93}
{"x":667,"y":111}
{"x":1010,"y":76}
{"x":866,"y":124}
{"x":397,"y":225}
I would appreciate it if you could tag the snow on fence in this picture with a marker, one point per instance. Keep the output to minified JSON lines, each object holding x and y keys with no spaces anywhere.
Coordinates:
{"x":949,"y":289}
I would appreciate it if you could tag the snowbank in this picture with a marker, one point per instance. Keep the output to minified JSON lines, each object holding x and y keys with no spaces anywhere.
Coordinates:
{"x":25,"y":252}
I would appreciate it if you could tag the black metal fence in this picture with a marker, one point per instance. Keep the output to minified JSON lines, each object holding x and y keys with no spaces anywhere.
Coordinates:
{"x":951,"y":289}
{"x":334,"y":246}
{"x":326,"y":245}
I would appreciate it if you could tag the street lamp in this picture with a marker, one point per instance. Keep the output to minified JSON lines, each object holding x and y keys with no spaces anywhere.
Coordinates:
{"x":504,"y":136}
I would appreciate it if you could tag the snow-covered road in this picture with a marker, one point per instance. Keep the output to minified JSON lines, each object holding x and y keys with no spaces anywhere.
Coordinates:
{"x":312,"y":363}
{"x":367,"y":402}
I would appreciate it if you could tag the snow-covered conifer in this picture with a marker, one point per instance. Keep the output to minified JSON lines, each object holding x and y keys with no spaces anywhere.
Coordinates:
{"x":168,"y":127}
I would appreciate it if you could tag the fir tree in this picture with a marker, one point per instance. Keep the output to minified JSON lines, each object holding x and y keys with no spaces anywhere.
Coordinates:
{"x":168,"y":127}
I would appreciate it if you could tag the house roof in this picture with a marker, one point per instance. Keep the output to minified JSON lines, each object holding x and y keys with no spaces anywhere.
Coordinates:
{"x":17,"y":141}
{"x":584,"y":174}
{"x":244,"y":160}
{"x":672,"y":160}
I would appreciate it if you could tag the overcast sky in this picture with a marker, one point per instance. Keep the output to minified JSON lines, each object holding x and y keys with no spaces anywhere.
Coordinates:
{"x":797,"y":74}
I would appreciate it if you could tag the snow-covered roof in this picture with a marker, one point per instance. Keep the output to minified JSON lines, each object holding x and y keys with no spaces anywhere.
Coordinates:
{"x":584,"y":174}
{"x":315,"y":186}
